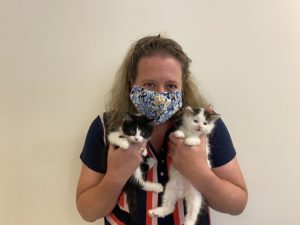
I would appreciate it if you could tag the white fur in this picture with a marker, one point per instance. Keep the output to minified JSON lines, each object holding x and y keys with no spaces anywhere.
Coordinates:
{"x":118,"y":138}
{"x":147,"y":185}
{"x":178,"y":187}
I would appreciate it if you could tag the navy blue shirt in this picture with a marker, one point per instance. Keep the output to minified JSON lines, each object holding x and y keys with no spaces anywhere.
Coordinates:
{"x":94,"y":156}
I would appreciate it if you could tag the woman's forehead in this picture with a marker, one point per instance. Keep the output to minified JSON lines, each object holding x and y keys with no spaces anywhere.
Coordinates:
{"x":159,"y":67}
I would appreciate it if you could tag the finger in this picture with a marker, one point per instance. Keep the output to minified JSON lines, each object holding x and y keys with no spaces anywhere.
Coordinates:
{"x":171,"y":144}
{"x":137,"y":146}
{"x":175,"y":139}
{"x":172,"y":137}
{"x":112,"y":147}
{"x":203,"y":141}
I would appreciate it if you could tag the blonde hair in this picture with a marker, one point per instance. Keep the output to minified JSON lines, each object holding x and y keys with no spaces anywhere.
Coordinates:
{"x":119,"y":100}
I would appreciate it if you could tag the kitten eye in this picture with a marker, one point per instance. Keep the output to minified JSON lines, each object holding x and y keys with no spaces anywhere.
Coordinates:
{"x":205,"y":123}
{"x":195,"y":121}
{"x":145,"y":134}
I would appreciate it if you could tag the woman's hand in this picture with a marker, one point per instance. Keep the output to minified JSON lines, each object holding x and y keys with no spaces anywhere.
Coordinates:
{"x":98,"y":193}
{"x":121,"y":163}
{"x":187,"y":159}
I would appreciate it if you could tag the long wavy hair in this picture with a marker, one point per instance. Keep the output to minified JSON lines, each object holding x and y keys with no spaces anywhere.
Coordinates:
{"x":119,"y":96}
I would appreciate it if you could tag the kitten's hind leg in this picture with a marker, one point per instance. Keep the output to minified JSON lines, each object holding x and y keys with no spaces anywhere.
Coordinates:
{"x":168,"y":205}
{"x":193,"y":204}
{"x":147,"y":185}
{"x":151,"y":186}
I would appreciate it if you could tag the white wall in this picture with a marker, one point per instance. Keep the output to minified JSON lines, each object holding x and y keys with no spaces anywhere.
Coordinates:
{"x":57,"y":60}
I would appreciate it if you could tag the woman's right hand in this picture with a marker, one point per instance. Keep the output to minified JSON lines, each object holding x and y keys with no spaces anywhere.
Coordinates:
{"x":98,"y":193}
{"x":121,"y":163}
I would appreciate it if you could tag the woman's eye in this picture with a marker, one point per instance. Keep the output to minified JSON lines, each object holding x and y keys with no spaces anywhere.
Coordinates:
{"x":172,"y":86}
{"x":148,"y":85}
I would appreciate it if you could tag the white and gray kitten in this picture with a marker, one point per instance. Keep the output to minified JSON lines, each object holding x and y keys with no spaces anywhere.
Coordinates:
{"x":195,"y":123}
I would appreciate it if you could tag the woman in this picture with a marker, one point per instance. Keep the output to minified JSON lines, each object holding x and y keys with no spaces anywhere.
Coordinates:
{"x":157,"y":64}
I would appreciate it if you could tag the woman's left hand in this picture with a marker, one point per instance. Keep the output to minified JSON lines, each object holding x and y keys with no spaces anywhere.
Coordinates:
{"x":188,"y":159}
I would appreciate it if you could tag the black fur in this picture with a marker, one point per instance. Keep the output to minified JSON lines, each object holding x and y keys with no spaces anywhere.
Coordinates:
{"x":132,"y":122}
{"x":131,"y":189}
{"x":196,"y":110}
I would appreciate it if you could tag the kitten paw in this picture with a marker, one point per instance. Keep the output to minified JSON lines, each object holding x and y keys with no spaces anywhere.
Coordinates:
{"x":189,"y":222}
{"x":192,"y":141}
{"x":179,"y":134}
{"x":160,"y":212}
{"x":155,"y":187}
{"x":124,"y":144}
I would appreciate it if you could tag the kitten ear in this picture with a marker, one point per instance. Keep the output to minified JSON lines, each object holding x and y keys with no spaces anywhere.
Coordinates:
{"x":189,"y":110}
{"x":128,"y":117}
{"x":192,"y":111}
{"x":213,"y":116}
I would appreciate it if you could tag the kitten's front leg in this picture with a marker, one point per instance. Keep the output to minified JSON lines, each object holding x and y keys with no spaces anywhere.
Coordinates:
{"x":124,"y":143}
{"x":179,"y":134}
{"x":192,"y":141}
{"x":116,"y":139}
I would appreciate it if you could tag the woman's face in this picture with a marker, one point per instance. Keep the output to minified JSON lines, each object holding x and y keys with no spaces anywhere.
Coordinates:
{"x":159,"y":73}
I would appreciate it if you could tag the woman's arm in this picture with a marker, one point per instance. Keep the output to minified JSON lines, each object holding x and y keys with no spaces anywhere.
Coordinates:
{"x":92,"y":198}
{"x":232,"y":197}
{"x":97,"y":194}
{"x":224,"y":187}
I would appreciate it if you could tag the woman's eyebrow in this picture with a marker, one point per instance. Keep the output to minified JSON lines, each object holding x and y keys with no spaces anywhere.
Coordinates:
{"x":172,"y":81}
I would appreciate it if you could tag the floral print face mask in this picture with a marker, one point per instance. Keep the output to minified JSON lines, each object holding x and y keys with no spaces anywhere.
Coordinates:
{"x":158,"y":106}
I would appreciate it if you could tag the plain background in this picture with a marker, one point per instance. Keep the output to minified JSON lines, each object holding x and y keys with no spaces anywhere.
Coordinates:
{"x":57,"y":63}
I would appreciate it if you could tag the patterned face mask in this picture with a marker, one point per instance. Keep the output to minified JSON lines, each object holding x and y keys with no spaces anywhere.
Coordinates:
{"x":158,"y":106}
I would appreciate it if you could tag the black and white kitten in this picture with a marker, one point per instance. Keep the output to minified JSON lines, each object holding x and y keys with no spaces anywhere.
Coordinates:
{"x":136,"y":128}
{"x":195,"y":123}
